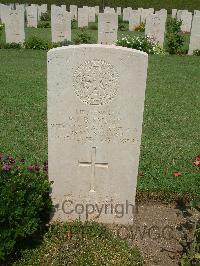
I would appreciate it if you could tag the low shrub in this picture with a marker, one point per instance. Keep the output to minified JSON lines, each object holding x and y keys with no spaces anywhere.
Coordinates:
{"x":1,"y":29}
{"x":120,"y":19}
{"x":191,"y":244}
{"x":140,"y":28}
{"x":25,"y":204}
{"x":174,"y":37}
{"x":144,"y":44}
{"x":66,"y":43}
{"x":93,"y":26}
{"x":196,"y":52}
{"x":74,"y":24}
{"x":123,"y":27}
{"x":36,"y":43}
{"x":44,"y":24}
{"x":11,"y":45}
{"x":45,"y":16}
{"x":83,"y":37}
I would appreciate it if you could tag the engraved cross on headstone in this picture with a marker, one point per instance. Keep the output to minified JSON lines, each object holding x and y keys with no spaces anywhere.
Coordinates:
{"x":93,"y":166}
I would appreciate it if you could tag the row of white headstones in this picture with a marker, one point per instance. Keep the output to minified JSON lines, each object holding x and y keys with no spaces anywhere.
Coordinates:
{"x":155,"y":24}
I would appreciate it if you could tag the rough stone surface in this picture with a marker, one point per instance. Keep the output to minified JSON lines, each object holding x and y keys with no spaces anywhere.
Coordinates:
{"x":95,"y":112}
{"x":107,"y":28}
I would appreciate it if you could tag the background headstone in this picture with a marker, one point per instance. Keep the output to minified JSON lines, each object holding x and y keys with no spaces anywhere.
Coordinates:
{"x":186,"y":18}
{"x":107,"y":28}
{"x":195,"y":35}
{"x":60,"y":24}
{"x":126,"y":13}
{"x":32,"y":16}
{"x":83,"y":17}
{"x":73,"y":11}
{"x":14,"y":27}
{"x":119,"y":11}
{"x":95,"y":111}
{"x":155,"y":28}
{"x":174,"y":12}
{"x":134,"y":19}
{"x":96,"y":10}
{"x":91,"y":14}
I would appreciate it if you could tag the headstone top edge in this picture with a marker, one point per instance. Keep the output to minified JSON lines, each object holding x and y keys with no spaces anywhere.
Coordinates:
{"x":71,"y":47}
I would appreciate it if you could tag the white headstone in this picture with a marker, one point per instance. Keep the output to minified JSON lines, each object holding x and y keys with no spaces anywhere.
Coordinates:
{"x":197,"y":12}
{"x":73,"y":11}
{"x":91,"y":14}
{"x":109,"y":10}
{"x":41,"y":10}
{"x":96,"y":10}
{"x":32,"y":16}
{"x":119,"y":11}
{"x":60,"y":24}
{"x":126,"y":13}
{"x":83,"y":17}
{"x":155,"y":28}
{"x":14,"y":27}
{"x":96,"y":99}
{"x":186,"y":18}
{"x":63,"y":7}
{"x":4,"y":11}
{"x":107,"y":28}
{"x":162,"y":13}
{"x":174,"y":12}
{"x":179,"y":12}
{"x":134,"y":20}
{"x":195,"y":35}
{"x":145,"y":13}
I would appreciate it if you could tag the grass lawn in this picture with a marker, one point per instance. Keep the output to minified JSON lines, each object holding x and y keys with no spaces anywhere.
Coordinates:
{"x":88,"y":244}
{"x":170,"y":139}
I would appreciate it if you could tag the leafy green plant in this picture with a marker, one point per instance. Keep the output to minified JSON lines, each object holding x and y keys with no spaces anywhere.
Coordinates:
{"x":44,"y":24}
{"x":11,"y":45}
{"x":1,"y":29}
{"x":191,"y":247}
{"x":45,"y":16}
{"x":175,"y":39}
{"x":25,"y":204}
{"x":74,"y":24}
{"x":66,"y":43}
{"x":83,"y":37}
{"x":36,"y":43}
{"x":123,"y":26}
{"x":93,"y":26}
{"x":140,"y":28}
{"x":144,"y":44}
{"x":196,"y":52}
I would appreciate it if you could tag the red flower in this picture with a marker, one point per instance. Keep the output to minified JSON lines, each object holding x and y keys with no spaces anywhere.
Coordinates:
{"x":197,"y":158}
{"x":196,"y":163}
{"x":176,"y":174}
